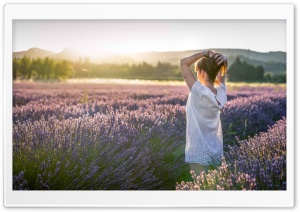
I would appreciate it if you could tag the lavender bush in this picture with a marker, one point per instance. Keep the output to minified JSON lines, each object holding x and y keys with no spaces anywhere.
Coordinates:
{"x":116,"y":137}
{"x":258,"y":163}
{"x":118,"y":150}
{"x":247,"y":116}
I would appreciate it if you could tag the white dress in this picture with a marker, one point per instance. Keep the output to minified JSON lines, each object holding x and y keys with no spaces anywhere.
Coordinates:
{"x":204,"y":137}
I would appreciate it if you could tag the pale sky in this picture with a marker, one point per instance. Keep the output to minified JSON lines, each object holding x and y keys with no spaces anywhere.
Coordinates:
{"x":149,"y":35}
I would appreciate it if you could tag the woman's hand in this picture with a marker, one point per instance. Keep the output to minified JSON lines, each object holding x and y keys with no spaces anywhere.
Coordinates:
{"x":223,"y":63}
{"x":210,"y":53}
{"x":221,"y":59}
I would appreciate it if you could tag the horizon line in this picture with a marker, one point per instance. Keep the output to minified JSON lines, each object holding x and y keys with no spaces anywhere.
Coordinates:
{"x":116,"y":52}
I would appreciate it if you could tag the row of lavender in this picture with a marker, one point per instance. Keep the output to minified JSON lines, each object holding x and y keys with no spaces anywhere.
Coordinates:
{"x":117,"y":136}
{"x":258,"y":163}
{"x":247,"y":115}
{"x":119,"y":150}
{"x":131,"y":95}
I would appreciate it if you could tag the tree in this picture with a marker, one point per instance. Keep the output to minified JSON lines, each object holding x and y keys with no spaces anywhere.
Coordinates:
{"x":25,"y":67}
{"x":260,"y":72}
{"x":243,"y":71}
{"x":37,"y":67}
{"x":63,"y":69}
{"x":279,"y":78}
{"x":49,"y":65}
{"x":16,"y":67}
{"x":268,"y":77}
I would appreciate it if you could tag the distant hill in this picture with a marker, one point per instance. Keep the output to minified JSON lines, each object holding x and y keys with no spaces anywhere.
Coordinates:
{"x":274,"y":62}
{"x":74,"y":55}
{"x":274,"y":67}
{"x":174,"y":56}
{"x":34,"y":53}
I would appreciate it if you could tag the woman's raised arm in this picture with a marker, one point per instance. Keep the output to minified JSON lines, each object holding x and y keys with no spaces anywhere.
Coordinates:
{"x":185,"y":64}
{"x":222,"y":60}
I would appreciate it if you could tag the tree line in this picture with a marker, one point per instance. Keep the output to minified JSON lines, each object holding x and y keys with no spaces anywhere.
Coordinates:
{"x":48,"y":68}
{"x":243,"y":71}
{"x":28,"y":68}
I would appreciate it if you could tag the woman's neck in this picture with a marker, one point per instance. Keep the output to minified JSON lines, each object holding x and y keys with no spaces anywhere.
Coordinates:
{"x":208,"y":84}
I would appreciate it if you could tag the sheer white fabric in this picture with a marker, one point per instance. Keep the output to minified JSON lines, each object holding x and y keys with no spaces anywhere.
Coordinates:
{"x":204,"y":137}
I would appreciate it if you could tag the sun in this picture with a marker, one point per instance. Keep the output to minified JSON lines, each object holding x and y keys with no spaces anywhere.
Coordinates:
{"x":135,"y":47}
{"x":121,"y":47}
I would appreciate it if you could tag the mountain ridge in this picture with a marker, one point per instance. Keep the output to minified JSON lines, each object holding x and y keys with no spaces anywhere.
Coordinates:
{"x":274,"y":60}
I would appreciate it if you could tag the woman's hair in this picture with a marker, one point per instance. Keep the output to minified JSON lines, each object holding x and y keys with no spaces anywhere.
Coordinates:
{"x":211,"y":67}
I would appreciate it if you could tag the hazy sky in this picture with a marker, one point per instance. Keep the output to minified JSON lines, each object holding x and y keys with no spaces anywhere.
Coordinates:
{"x":149,"y":35}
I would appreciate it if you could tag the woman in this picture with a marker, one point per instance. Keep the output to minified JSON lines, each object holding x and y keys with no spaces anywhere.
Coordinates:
{"x":204,"y":137}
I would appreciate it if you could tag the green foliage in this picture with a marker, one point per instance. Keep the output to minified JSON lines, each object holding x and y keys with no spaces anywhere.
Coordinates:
{"x":24,"y":67}
{"x":16,"y":67}
{"x":275,"y":78}
{"x":37,"y":67}
{"x":47,"y":68}
{"x":244,"y":71}
{"x":85,"y":97}
{"x":164,"y":71}
{"x":272,"y":66}
{"x":30,"y":68}
{"x":63,"y":69}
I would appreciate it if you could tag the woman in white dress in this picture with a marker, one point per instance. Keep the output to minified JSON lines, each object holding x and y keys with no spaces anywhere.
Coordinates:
{"x":204,"y":137}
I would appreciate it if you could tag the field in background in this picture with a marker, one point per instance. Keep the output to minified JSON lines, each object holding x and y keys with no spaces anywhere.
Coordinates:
{"x":130,"y":135}
{"x":230,"y":85}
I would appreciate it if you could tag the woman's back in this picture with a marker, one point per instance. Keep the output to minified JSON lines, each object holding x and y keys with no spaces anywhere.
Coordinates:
{"x":204,"y":132}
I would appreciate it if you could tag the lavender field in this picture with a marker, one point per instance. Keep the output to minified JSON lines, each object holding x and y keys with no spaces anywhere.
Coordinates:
{"x":132,"y":137}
